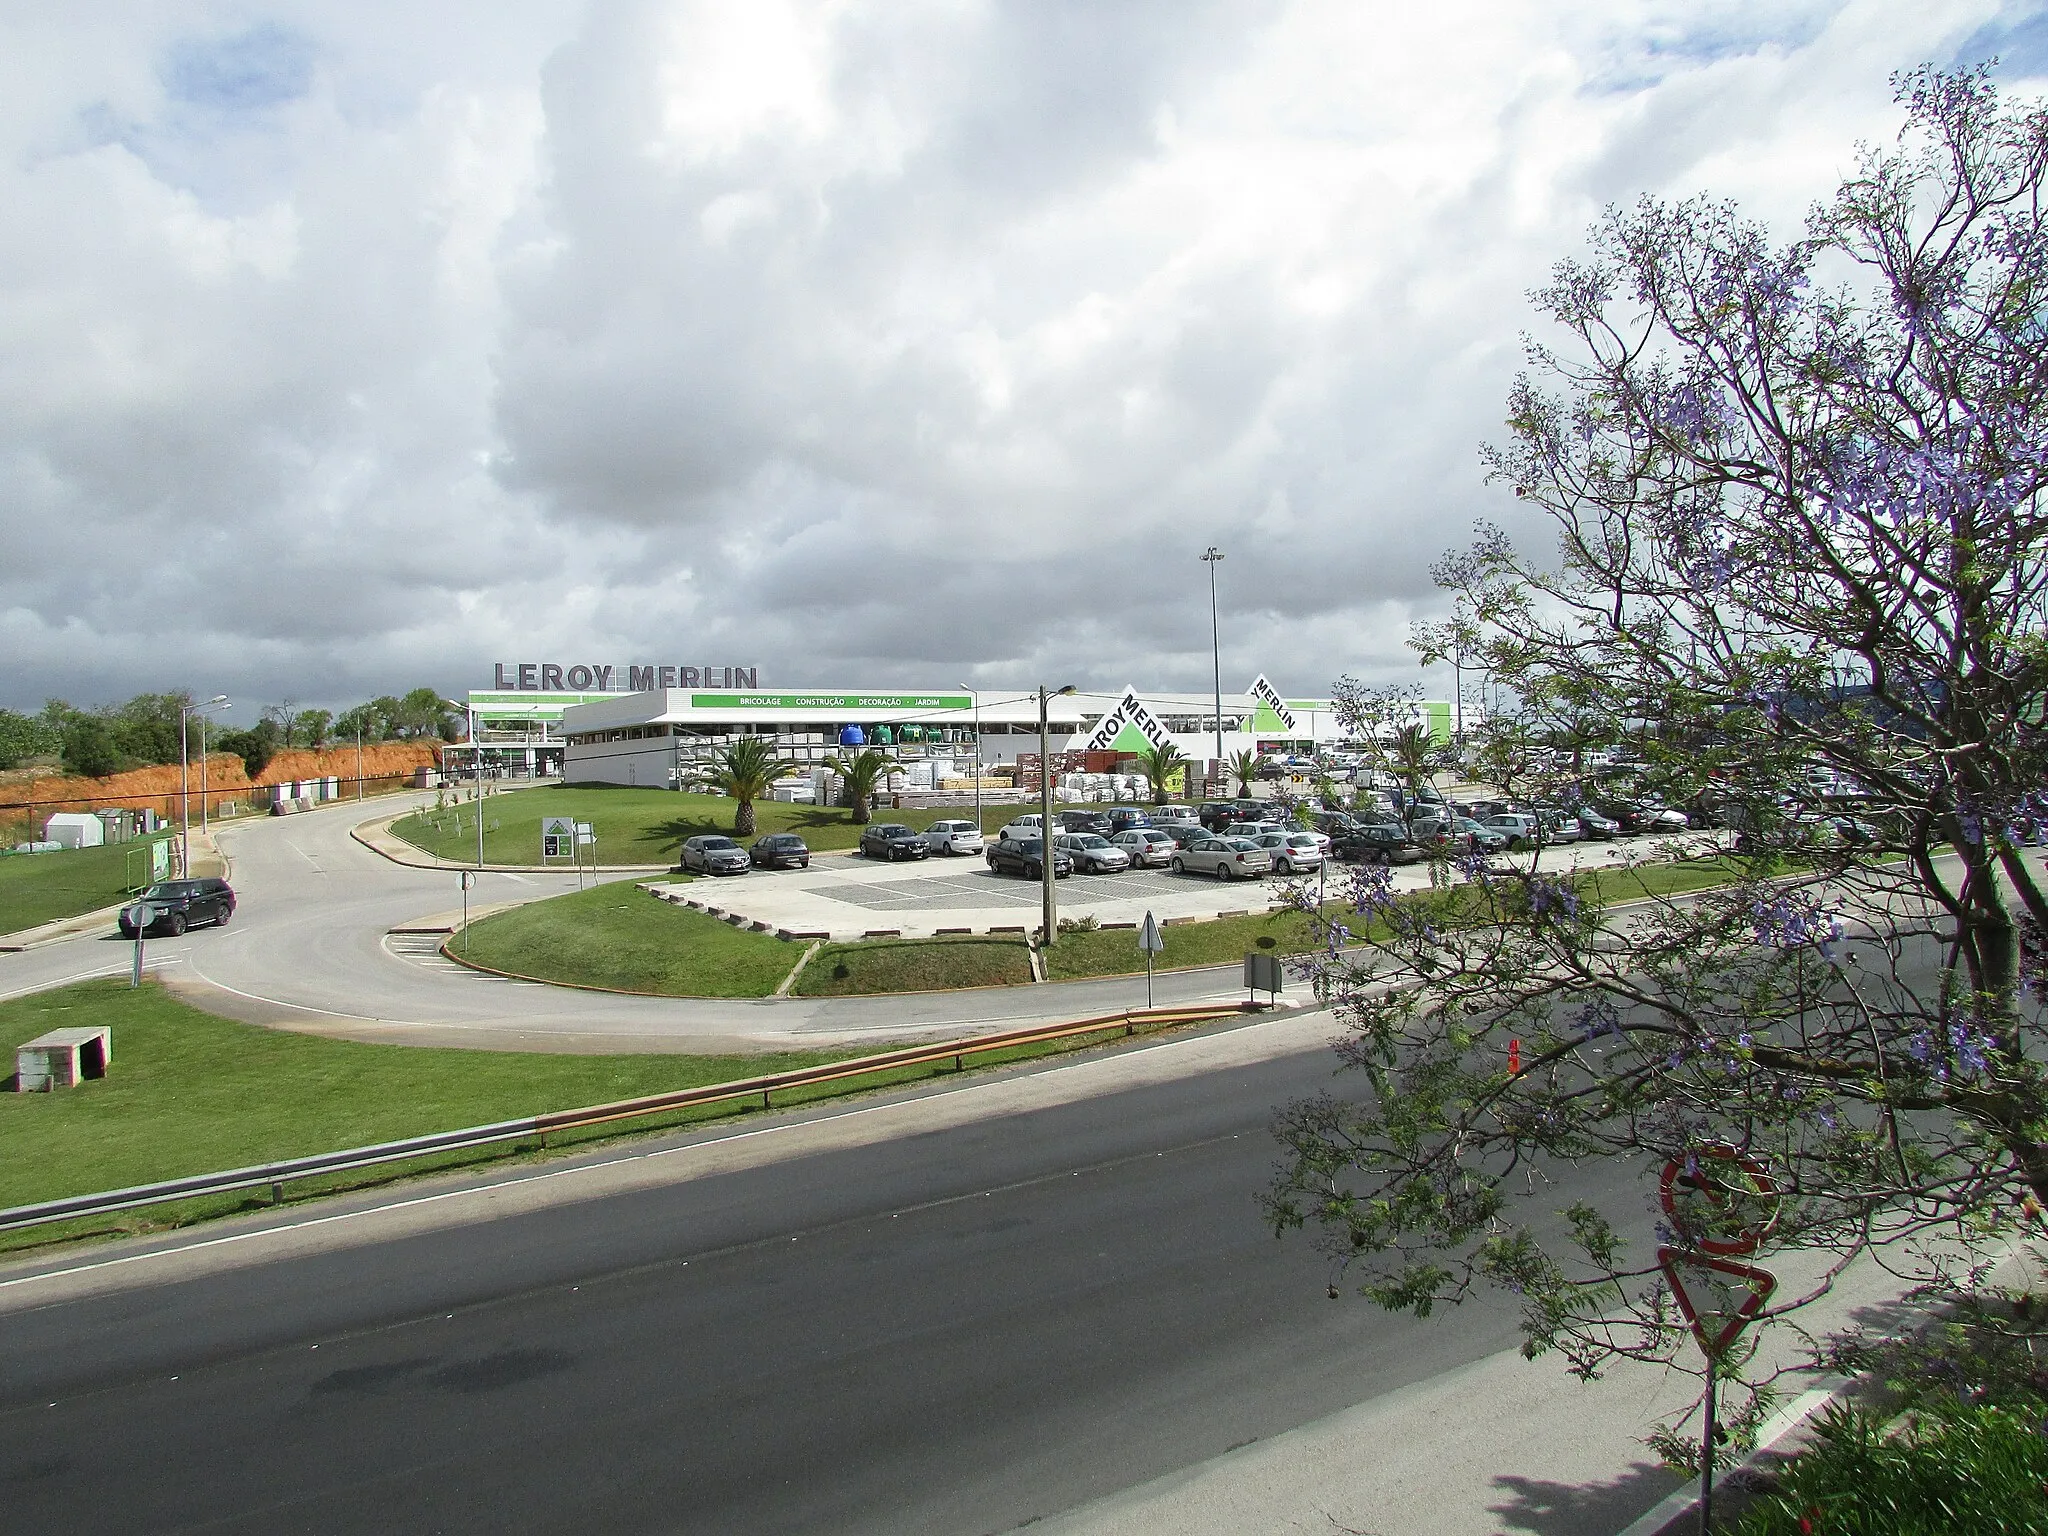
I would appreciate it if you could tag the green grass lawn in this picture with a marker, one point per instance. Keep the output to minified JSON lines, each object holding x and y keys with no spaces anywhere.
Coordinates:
{"x":192,"y":1093}
{"x":1219,"y":941}
{"x":914,"y":965}
{"x":42,"y":887}
{"x":617,"y":935}
{"x":632,"y":826}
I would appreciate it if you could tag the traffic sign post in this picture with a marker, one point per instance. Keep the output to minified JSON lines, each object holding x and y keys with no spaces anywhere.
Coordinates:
{"x":1153,"y":942}
{"x":1722,"y":1203}
{"x":468,"y":879}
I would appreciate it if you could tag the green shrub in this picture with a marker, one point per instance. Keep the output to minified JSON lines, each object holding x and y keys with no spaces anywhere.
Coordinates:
{"x":1959,"y":1472}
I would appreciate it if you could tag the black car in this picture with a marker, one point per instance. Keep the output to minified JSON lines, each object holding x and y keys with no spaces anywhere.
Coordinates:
{"x":780,"y":850}
{"x":712,"y":854}
{"x":1085,"y":821}
{"x":890,"y":840}
{"x":1217,"y":815}
{"x":1379,"y":842}
{"x":172,"y":906}
{"x":1025,"y":856}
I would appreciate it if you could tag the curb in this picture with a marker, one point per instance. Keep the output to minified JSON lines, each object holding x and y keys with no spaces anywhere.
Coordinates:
{"x":1679,"y":1511}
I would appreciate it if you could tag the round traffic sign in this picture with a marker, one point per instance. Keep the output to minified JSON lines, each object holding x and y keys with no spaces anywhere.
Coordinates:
{"x":1721,"y":1201}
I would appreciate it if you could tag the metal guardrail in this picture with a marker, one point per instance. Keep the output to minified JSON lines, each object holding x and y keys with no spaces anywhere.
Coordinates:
{"x":538,"y":1127}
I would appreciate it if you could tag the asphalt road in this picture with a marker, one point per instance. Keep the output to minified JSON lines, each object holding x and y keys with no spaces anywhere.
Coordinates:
{"x":959,"y":1331}
{"x":307,"y":949}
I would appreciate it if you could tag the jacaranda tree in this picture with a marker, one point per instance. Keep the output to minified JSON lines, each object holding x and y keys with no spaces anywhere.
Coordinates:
{"x":1794,"y":493}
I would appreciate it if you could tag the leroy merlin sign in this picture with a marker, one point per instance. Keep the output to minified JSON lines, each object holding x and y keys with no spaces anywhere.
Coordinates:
{"x":837,"y":702}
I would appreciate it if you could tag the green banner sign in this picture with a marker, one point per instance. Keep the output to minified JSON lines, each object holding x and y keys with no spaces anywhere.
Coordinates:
{"x":894,"y":703}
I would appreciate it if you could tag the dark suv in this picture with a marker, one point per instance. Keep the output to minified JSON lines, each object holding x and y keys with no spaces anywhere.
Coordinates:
{"x":779,"y":850}
{"x":1379,"y":842}
{"x":175,"y":905}
{"x":888,"y":840}
{"x":1085,"y":821}
{"x":1024,"y":856}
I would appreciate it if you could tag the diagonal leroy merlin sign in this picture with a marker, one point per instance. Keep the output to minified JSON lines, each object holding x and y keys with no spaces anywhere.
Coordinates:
{"x":833,"y":701}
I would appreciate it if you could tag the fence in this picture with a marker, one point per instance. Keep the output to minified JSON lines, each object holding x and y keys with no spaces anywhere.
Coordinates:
{"x":538,"y":1127}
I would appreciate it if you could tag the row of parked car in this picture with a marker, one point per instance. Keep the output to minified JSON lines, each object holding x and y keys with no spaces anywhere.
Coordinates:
{"x":1202,"y":840}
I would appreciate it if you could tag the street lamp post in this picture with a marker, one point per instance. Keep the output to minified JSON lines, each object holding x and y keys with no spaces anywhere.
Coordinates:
{"x":1050,"y":901}
{"x":476,"y":765}
{"x":1212,"y":557}
{"x":975,"y":694}
{"x":186,"y":712}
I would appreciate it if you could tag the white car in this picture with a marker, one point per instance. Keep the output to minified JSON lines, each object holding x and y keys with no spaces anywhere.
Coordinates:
{"x":1174,"y":816}
{"x":954,"y":837}
{"x":1023,"y":830}
{"x":1291,"y":851}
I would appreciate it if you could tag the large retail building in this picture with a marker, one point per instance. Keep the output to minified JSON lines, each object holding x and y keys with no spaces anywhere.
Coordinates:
{"x":647,"y":737}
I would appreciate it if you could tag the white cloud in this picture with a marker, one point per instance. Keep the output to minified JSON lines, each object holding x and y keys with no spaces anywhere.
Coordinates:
{"x":348,"y":348}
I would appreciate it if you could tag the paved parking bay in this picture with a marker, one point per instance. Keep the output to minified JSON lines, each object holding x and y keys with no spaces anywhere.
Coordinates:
{"x":847,"y":897}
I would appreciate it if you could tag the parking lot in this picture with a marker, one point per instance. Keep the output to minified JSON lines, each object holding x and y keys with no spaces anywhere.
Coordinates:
{"x":843,"y":896}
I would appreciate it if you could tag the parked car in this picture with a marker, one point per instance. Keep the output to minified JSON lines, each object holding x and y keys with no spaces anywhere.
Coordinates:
{"x":175,"y":905}
{"x":1559,"y":826}
{"x":712,"y":854}
{"x":1023,"y":827}
{"x":1124,"y":817}
{"x":1173,"y":815}
{"x":1092,"y":853}
{"x":1378,"y":842}
{"x":891,"y":840}
{"x":1085,"y":821}
{"x":779,"y":850}
{"x":1227,"y":858}
{"x":954,"y":837}
{"x":1219,"y":814}
{"x":1606,"y":828}
{"x":1469,"y":836}
{"x":1292,"y":852}
{"x":1026,"y":856}
{"x":1519,"y":828}
{"x":1148,"y":847}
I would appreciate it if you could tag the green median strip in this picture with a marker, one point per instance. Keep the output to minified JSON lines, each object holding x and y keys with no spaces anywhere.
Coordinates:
{"x":915,"y":965}
{"x":618,"y":936}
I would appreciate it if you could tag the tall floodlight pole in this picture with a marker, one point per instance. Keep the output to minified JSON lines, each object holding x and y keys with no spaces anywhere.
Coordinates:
{"x":476,"y":762}
{"x":975,"y":694}
{"x":1046,"y":875}
{"x":186,"y":712}
{"x":1212,"y":557}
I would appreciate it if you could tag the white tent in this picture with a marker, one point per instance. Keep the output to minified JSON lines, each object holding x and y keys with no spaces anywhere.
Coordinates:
{"x":75,"y":829}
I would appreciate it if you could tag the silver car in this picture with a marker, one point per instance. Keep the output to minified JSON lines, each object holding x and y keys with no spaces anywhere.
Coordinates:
{"x":1148,"y":847}
{"x":1227,"y":858}
{"x":954,"y":837}
{"x":1092,"y":853}
{"x":1292,"y":851}
{"x":715,"y":856}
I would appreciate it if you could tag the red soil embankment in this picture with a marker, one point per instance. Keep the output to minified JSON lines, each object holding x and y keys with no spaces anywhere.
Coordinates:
{"x":26,"y":802}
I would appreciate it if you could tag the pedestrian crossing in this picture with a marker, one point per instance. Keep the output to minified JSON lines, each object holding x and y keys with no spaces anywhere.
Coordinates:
{"x":424,"y":951}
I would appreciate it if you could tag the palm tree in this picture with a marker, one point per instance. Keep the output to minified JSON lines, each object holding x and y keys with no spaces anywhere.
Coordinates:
{"x":1246,"y":766}
{"x":862,"y":771}
{"x":1414,"y":754}
{"x":744,"y":770}
{"x":1159,"y":765}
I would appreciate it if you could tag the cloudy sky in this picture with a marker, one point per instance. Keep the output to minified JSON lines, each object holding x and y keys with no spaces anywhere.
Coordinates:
{"x":346,"y":347}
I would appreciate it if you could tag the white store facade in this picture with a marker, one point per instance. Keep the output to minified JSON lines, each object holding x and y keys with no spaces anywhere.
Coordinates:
{"x":649,"y":738}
